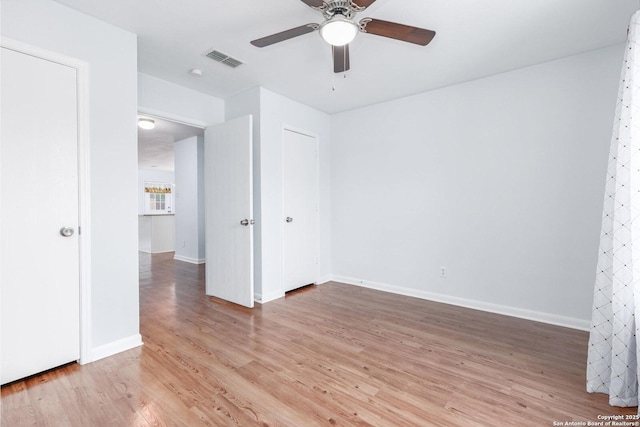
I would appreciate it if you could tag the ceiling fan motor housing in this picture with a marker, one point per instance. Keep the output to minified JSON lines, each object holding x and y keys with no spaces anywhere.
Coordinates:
{"x":346,"y":8}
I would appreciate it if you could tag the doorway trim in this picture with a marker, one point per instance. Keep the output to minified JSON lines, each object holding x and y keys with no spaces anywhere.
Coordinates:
{"x":84,"y":187}
{"x":159,"y":114}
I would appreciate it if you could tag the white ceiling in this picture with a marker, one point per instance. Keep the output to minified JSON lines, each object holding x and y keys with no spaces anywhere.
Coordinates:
{"x":475,"y":38}
{"x":155,"y":146}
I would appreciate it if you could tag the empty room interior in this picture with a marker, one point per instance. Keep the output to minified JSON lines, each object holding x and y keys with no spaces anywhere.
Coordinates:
{"x":319,"y":212}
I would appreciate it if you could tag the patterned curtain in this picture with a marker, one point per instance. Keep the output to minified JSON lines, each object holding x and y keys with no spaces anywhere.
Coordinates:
{"x":612,"y":366}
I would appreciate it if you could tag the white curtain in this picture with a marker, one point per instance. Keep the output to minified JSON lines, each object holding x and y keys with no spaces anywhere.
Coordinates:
{"x":612,"y":366}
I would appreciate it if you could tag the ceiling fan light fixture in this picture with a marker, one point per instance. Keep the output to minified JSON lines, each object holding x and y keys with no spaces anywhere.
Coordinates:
{"x":144,"y":123}
{"x":338,"y":31}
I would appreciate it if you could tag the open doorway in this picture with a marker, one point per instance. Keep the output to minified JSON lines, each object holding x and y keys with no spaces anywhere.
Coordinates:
{"x":170,"y":175}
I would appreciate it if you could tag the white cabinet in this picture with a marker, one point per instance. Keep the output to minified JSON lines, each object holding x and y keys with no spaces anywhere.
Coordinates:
{"x":156,"y":233}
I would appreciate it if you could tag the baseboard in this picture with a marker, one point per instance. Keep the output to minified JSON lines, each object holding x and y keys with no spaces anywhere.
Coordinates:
{"x":116,"y":347}
{"x":537,"y":316}
{"x":189,"y":260}
{"x":324,"y":279}
{"x":262,"y":299}
{"x":269,"y":297}
{"x":149,"y":251}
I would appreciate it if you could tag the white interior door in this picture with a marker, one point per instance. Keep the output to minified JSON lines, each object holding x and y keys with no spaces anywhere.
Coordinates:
{"x":228,"y":166}
{"x":39,"y":186}
{"x":301,"y":226}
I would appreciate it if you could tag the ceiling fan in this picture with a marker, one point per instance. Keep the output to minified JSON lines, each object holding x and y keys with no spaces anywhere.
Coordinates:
{"x":339,"y":29}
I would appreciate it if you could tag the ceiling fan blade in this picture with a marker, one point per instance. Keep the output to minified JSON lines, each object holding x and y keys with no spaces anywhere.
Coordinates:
{"x":401,"y":32}
{"x":314,"y":3}
{"x":364,"y":3}
{"x":340,"y":58}
{"x":285,"y":35}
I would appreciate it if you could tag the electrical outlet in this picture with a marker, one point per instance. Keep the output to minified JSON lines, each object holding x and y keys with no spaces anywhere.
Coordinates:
{"x":443,"y":272}
{"x":184,"y":243}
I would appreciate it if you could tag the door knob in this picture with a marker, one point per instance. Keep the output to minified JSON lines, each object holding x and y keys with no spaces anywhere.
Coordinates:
{"x":67,"y":231}
{"x":246,"y":222}
{"x":289,"y":219}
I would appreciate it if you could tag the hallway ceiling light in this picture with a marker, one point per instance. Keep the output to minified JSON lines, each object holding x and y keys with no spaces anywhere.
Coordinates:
{"x":145,"y":123}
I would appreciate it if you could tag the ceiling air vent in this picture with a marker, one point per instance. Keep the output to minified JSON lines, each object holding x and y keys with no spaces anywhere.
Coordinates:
{"x":218,"y":56}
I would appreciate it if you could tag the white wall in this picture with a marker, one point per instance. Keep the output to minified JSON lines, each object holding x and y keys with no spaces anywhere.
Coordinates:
{"x":500,"y":180}
{"x":111,"y":55}
{"x":272,"y":114}
{"x":165,"y":99}
{"x":189,"y":200}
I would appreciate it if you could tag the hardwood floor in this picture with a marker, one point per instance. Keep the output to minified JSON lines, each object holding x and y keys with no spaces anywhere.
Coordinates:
{"x":325,"y":355}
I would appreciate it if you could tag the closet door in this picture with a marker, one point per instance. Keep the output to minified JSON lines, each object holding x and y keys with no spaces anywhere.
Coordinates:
{"x":39,"y":259}
{"x":301,"y":225}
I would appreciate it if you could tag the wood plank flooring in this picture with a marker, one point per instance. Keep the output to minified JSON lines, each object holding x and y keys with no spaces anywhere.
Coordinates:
{"x":331,"y":354}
